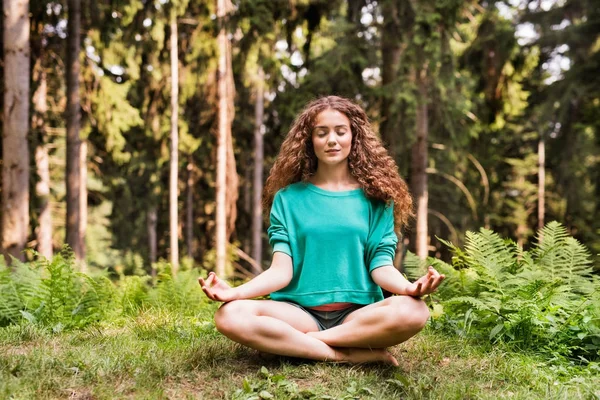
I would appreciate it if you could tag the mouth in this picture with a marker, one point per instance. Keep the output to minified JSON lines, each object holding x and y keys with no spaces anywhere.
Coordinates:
{"x":332,"y":151}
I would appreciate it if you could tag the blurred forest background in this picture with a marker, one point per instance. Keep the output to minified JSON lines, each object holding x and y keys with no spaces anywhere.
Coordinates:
{"x":141,"y":130}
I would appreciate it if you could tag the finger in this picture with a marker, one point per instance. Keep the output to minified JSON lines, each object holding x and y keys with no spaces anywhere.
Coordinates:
{"x":427,"y":286}
{"x":206,"y":291}
{"x":210,"y":279}
{"x":438,"y":281}
{"x":434,"y":272}
{"x":418,"y":289}
{"x":209,"y":293}
{"x":201,"y":281}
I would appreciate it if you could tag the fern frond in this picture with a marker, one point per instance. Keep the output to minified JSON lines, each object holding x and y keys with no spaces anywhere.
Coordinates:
{"x":10,"y":302}
{"x":473,"y":302}
{"x":563,"y":257}
{"x":492,"y":257}
{"x":180,"y":293}
{"x":413,"y":266}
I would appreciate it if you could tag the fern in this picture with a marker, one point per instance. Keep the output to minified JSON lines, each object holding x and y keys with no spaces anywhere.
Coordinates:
{"x":455,"y":282}
{"x":492,"y":258}
{"x":543,"y":297}
{"x":10,"y":302}
{"x":180,"y":293}
{"x":134,"y":294}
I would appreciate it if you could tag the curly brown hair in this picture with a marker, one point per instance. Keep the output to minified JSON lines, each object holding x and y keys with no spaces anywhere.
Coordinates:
{"x":369,"y":162}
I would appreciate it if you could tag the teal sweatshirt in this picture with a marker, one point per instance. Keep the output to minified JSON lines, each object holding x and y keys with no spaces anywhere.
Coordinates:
{"x":335,"y":240}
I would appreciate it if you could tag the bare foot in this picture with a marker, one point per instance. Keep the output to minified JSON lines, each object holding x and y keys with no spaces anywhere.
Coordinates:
{"x":356,"y":355}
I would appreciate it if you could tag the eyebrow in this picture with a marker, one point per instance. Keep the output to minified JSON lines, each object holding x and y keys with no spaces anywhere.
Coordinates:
{"x":325,"y":126}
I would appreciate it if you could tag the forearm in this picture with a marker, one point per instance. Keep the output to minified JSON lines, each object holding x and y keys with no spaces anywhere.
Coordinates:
{"x":275,"y":278}
{"x":390,"y":279}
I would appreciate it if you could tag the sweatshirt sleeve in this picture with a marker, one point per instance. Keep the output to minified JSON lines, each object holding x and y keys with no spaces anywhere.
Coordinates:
{"x":278,"y":231}
{"x":386,"y":247}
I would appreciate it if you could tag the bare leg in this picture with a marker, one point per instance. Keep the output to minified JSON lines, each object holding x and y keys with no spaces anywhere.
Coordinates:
{"x":383,"y":324}
{"x":281,"y":328}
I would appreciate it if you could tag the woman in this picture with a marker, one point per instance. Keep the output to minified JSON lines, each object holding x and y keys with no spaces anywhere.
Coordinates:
{"x":335,"y":198}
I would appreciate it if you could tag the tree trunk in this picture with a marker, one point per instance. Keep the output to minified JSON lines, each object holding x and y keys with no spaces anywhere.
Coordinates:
{"x":73,"y":117}
{"x":259,"y":109}
{"x":226,"y":172}
{"x":151,"y":221}
{"x":174,"y":162}
{"x":541,"y":182}
{"x":419,"y":166}
{"x":390,"y":57}
{"x":189,"y":208}
{"x":42,"y":163}
{"x":15,"y":163}
{"x":83,"y":214}
{"x":248,"y":198}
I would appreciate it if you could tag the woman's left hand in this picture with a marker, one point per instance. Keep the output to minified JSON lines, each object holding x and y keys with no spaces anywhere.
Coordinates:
{"x":426,"y":284}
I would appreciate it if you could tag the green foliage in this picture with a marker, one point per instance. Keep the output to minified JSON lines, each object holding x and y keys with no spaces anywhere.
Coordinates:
{"x":52,"y":294}
{"x":277,"y":386}
{"x":179,"y":293}
{"x":544,"y":299}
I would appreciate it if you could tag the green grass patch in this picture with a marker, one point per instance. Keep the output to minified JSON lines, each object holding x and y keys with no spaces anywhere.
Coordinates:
{"x":164,"y":354}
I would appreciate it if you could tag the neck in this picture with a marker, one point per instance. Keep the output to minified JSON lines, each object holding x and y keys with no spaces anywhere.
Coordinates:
{"x":335,"y":176}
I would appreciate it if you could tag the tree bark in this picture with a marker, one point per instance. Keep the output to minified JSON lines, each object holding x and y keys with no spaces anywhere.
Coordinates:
{"x":541,"y":182}
{"x":73,"y":117}
{"x":419,"y":165}
{"x":174,"y":161}
{"x":226,"y":172}
{"x":15,"y":163}
{"x":42,"y":162}
{"x":390,"y":60}
{"x":83,"y":214}
{"x":151,"y":221}
{"x":247,"y":161}
{"x":189,"y":208}
{"x":259,"y":109}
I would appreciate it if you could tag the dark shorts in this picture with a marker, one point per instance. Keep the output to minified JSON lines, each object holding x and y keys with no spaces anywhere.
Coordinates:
{"x":328,"y":319}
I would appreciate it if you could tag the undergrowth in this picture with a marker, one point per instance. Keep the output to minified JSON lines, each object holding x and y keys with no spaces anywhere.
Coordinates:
{"x":545,"y":299}
{"x":53,"y":295}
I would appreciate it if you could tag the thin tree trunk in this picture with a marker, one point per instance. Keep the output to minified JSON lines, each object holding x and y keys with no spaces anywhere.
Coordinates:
{"x":419,"y":166}
{"x":541,"y":182}
{"x":390,"y":57}
{"x":174,"y":162}
{"x":73,"y":118}
{"x":42,"y":163}
{"x":248,"y":198}
{"x":15,"y":163}
{"x":225,"y":160}
{"x":521,"y":216}
{"x":151,"y":221}
{"x":42,"y":191}
{"x":189,"y":208}
{"x":259,"y":109}
{"x":153,"y":125}
{"x":83,"y":214}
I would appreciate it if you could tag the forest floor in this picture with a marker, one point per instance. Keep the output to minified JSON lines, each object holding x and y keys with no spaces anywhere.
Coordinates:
{"x":158,"y":354}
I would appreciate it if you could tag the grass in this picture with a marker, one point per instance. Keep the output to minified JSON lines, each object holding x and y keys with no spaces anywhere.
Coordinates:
{"x":158,"y":354}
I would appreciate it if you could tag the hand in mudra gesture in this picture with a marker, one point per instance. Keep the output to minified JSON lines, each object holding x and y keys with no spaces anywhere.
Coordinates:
{"x":216,"y":288}
{"x":426,"y":284}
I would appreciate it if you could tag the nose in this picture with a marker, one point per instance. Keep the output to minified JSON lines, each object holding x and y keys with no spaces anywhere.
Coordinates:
{"x":331,"y":141}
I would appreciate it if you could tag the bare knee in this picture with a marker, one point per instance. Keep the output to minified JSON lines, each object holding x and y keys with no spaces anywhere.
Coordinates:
{"x":229,"y":318}
{"x":408,"y":313}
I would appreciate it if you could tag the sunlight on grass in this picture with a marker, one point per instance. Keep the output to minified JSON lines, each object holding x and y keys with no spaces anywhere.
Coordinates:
{"x":160,"y":354}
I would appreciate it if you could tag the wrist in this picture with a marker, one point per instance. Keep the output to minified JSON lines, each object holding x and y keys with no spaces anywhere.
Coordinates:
{"x":404,"y":289}
{"x":236,"y":293}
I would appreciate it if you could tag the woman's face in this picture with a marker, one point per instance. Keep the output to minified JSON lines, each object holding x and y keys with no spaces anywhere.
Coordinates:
{"x":332,"y":137}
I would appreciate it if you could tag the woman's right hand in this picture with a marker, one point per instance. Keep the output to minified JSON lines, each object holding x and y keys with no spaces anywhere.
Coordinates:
{"x":217,"y":289}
